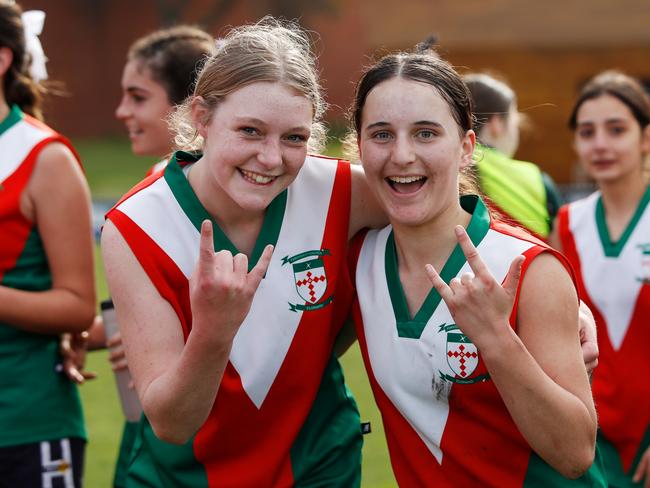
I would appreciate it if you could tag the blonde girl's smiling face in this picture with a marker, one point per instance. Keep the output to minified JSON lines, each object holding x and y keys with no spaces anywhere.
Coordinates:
{"x":608,"y":139}
{"x":144,"y":108}
{"x":412,"y":150}
{"x":255,"y":142}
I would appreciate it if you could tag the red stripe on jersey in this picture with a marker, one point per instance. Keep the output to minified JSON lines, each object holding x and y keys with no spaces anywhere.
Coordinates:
{"x":614,"y":393}
{"x":164,"y":274}
{"x":14,"y":226}
{"x":255,"y":444}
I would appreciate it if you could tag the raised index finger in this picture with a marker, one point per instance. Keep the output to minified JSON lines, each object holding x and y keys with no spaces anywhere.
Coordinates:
{"x":471,"y":253}
{"x":206,"y":246}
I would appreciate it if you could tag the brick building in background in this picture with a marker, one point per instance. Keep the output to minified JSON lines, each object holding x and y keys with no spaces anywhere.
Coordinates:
{"x":545,"y":50}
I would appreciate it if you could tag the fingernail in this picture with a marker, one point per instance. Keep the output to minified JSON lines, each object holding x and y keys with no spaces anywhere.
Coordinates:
{"x":458,"y":230}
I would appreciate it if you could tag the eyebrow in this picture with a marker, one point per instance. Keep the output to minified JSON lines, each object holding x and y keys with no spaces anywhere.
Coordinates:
{"x":256,"y":121}
{"x":615,"y":120}
{"x":133,"y":89}
{"x":419,"y":122}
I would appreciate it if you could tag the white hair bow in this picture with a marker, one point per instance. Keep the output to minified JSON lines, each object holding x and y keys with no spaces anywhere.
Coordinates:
{"x":33,"y":21}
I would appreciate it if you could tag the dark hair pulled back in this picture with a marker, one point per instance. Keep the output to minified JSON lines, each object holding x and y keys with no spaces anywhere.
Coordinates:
{"x":425,"y":66}
{"x":19,"y":87}
{"x":174,"y":57}
{"x":619,"y":85}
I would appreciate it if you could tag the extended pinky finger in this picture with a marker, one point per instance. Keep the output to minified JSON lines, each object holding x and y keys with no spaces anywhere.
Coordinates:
{"x":438,"y":283}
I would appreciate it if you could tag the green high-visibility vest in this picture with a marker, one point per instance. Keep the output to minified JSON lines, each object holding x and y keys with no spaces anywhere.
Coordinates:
{"x":516,"y":188}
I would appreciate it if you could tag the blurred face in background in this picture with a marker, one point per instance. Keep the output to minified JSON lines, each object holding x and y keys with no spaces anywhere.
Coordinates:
{"x":609,"y":141}
{"x":509,"y":140}
{"x":144,"y":109}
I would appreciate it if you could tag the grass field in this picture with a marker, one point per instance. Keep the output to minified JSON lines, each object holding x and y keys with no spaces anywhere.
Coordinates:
{"x":111,"y":170}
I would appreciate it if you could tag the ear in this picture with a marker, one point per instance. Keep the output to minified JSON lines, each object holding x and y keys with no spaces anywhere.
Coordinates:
{"x":645,"y":140}
{"x":200,"y":115}
{"x":468,"y":144}
{"x":6,"y":58}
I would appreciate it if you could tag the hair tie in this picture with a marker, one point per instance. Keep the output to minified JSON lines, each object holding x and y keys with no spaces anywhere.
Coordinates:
{"x":33,"y":21}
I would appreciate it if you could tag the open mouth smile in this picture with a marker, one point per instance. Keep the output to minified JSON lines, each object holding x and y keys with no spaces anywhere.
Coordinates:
{"x":256,"y":178}
{"x":406,"y":184}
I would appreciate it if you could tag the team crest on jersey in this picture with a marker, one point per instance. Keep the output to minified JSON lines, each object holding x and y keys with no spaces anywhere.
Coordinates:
{"x":645,"y":263}
{"x":310,"y":279}
{"x":462,"y":357}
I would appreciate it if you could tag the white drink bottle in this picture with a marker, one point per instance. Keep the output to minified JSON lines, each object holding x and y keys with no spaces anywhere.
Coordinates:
{"x":128,"y":396}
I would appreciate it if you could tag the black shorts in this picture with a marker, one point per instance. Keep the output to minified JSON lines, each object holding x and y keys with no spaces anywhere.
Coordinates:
{"x":48,"y":464}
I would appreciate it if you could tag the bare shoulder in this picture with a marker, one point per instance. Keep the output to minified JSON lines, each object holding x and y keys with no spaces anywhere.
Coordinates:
{"x":547,"y":313}
{"x":547,"y":279}
{"x":57,"y":165}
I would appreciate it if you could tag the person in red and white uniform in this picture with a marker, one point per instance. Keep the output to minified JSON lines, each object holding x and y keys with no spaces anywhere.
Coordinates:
{"x":606,"y":236}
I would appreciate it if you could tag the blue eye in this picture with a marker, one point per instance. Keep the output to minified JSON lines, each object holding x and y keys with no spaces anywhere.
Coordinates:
{"x":426,"y":134}
{"x":249,"y":131}
{"x":297,"y":138}
{"x":382,"y":136}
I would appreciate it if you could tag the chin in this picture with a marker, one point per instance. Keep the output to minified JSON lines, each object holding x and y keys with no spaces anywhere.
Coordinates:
{"x":256,"y":204}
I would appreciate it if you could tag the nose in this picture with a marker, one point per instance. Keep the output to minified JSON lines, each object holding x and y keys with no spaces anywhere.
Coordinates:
{"x":270,"y":154}
{"x":122,"y":111}
{"x":600,"y":140}
{"x":403,"y":152}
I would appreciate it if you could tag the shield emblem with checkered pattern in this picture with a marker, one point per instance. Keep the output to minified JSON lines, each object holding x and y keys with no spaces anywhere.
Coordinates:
{"x":462,"y":355}
{"x":311,"y":280}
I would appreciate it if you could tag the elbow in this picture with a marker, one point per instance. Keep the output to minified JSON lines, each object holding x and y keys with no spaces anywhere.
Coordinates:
{"x":577,"y":462}
{"x":82,"y":320}
{"x":170,"y":433}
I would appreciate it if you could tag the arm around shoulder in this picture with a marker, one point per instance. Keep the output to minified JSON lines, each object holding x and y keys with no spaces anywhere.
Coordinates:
{"x":365,"y":210}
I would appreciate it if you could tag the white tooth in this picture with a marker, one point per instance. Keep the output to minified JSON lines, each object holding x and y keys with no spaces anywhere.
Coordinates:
{"x":257,"y":178}
{"x":405,"y":179}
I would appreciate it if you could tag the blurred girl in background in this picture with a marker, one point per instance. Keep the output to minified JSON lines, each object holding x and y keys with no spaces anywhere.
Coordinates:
{"x":606,"y":236}
{"x":46,"y":272}
{"x":518,"y":190}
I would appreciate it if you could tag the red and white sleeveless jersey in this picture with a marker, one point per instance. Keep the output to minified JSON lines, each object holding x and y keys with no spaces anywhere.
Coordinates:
{"x":445,"y":422}
{"x":283,"y":346}
{"x":614,"y":281}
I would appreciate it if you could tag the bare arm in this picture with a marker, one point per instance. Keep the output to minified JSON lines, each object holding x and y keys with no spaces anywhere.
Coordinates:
{"x":539,"y":373}
{"x":588,"y":333}
{"x":178,"y":382}
{"x":365,"y":210}
{"x":58,"y":200}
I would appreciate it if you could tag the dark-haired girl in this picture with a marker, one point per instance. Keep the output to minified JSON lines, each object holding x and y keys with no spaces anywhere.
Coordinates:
{"x":46,"y":277}
{"x":479,"y":380}
{"x":606,"y":236}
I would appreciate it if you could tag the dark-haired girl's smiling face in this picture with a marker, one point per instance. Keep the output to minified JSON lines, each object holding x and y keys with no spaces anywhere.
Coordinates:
{"x":144,"y":109}
{"x":412,"y":150}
